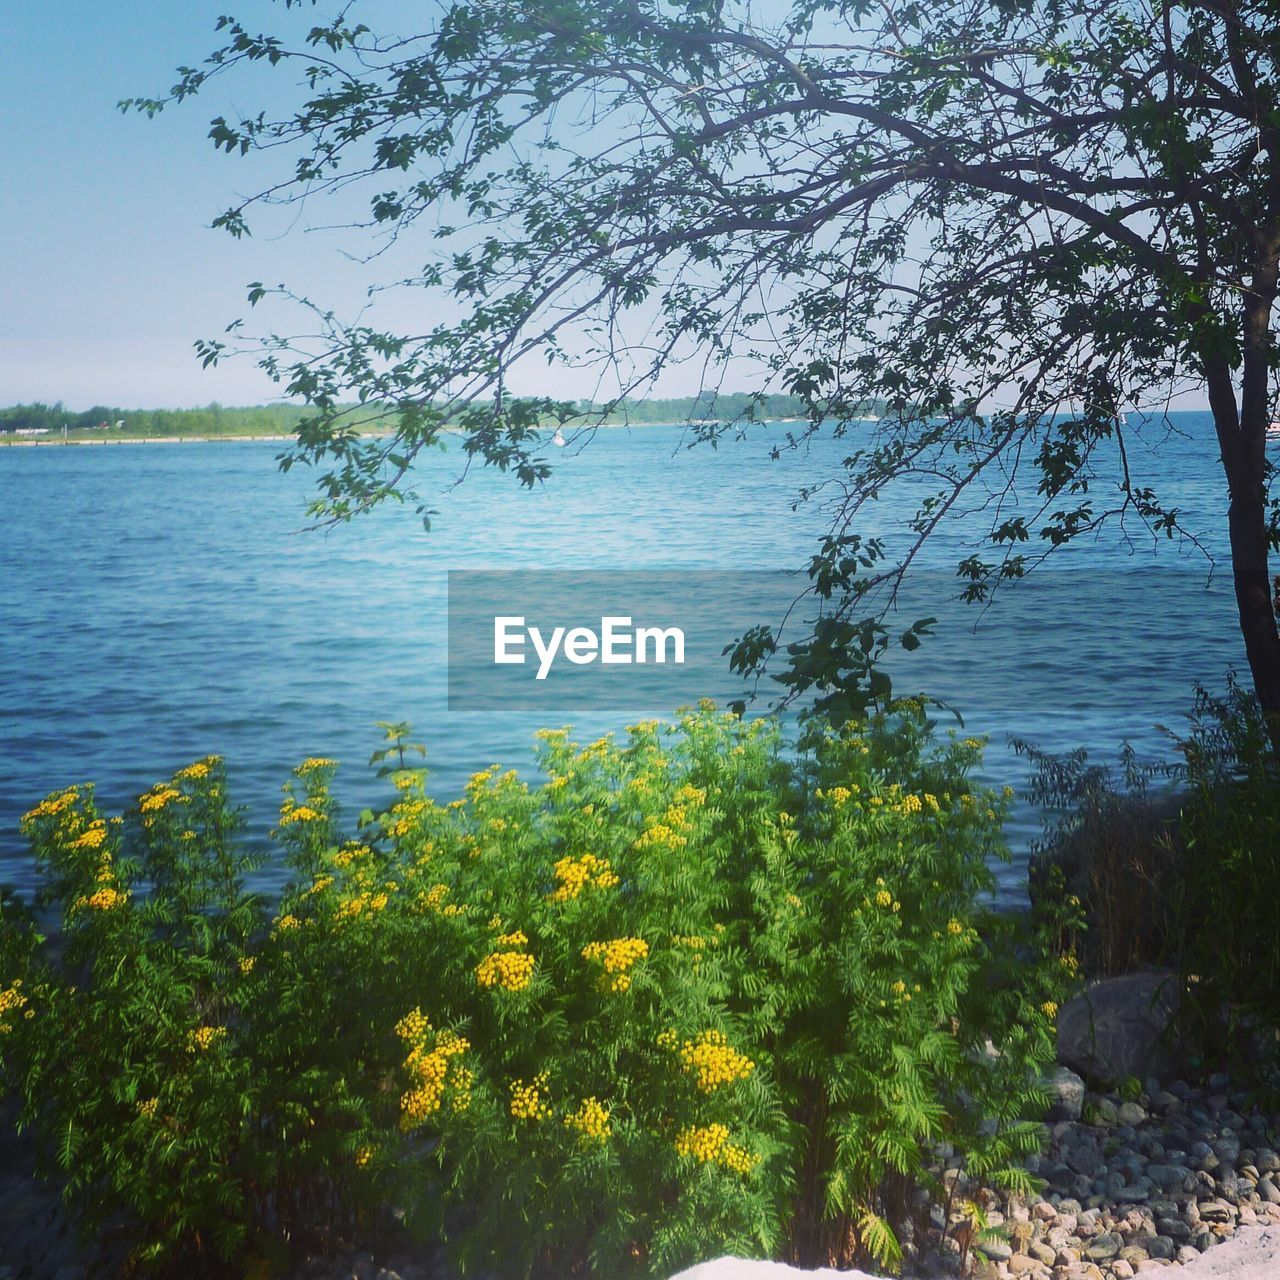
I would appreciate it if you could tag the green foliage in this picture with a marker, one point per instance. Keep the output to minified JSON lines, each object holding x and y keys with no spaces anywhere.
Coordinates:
{"x":1230,"y":875}
{"x":696,"y":990}
{"x":1188,"y":880}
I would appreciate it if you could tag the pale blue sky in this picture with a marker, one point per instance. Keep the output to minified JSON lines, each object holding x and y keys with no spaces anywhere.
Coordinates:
{"x":108,"y":269}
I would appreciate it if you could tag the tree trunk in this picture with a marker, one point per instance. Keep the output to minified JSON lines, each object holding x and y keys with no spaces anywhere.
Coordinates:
{"x":1247,"y":525}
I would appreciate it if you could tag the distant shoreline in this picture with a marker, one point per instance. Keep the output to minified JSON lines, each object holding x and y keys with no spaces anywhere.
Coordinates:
{"x":57,"y":440}
{"x":50,"y":441}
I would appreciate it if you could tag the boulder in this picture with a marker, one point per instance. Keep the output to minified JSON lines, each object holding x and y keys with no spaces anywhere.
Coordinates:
{"x":1119,"y":1028}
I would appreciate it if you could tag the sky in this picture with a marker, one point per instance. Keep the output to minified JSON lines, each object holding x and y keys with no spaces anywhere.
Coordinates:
{"x":110,"y":271}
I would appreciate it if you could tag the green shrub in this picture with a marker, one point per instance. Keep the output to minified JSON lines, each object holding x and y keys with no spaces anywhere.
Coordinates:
{"x":695,"y":990}
{"x":1229,"y":880}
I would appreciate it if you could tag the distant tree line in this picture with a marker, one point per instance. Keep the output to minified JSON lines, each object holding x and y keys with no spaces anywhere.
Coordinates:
{"x":282,"y":419}
{"x":213,"y":419}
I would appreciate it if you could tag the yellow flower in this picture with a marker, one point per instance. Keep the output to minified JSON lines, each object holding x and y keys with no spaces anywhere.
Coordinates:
{"x":363,"y":1156}
{"x":527,"y":1101}
{"x":433,"y":1068}
{"x":105,"y":899}
{"x":955,"y":928}
{"x":311,"y":763}
{"x":202,"y":1038}
{"x":11,"y":1000}
{"x":516,"y":939}
{"x":508,"y":969}
{"x":884,"y":898}
{"x":92,"y":837}
{"x":247,"y":963}
{"x":194,"y":772}
{"x":51,"y":806}
{"x":591,"y":1120}
{"x":616,"y":957}
{"x":298,"y":813}
{"x":712,"y":1062}
{"x":693,"y":941}
{"x":158,"y":797}
{"x":287,"y":922}
{"x":147,"y":1109}
{"x":575,"y":874}
{"x":710,"y":1143}
{"x":1049,"y":1009}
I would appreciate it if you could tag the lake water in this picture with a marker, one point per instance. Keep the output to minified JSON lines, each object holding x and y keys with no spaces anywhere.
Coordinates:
{"x":158,"y":603}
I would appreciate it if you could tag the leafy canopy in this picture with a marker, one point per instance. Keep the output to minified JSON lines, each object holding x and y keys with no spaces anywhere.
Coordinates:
{"x":1007,"y":224}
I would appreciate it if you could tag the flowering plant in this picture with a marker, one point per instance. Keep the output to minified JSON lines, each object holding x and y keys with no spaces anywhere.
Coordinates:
{"x":692,"y":990}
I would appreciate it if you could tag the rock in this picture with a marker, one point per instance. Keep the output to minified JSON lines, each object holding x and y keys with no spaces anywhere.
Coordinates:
{"x":1168,"y":1177}
{"x":1131,"y":1113}
{"x":1118,"y":1027}
{"x":1085,"y":1158}
{"x":1161,"y":1247}
{"x":1268,"y":1190}
{"x":1020,"y":1265}
{"x":996,"y":1250}
{"x":1102,"y":1111}
{"x":1042,"y":1252}
{"x":1217,"y":1211}
{"x":1186,"y":1254}
{"x":1105,"y":1246}
{"x":1066,"y":1094}
{"x":1121,"y":1269}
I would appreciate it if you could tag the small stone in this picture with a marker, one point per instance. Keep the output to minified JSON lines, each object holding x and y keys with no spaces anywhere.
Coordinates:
{"x":996,"y":1250}
{"x":1268,"y":1190}
{"x":1105,"y":1246}
{"x":1217,"y":1211}
{"x":1021,"y":1265}
{"x":1186,"y":1254}
{"x":1174,"y":1228}
{"x":1103,"y":1111}
{"x":1134,"y":1254}
{"x":1066,"y":1094}
{"x":1266,"y":1160}
{"x":1160,"y":1247}
{"x":1042,"y":1252}
{"x":1135,"y":1194}
{"x":1131,"y":1113}
{"x":1121,"y":1269}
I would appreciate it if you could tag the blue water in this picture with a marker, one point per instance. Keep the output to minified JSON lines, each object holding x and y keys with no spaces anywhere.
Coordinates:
{"x":159,"y":603}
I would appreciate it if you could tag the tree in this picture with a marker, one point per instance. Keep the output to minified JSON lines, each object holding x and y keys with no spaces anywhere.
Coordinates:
{"x":1007,"y":222}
